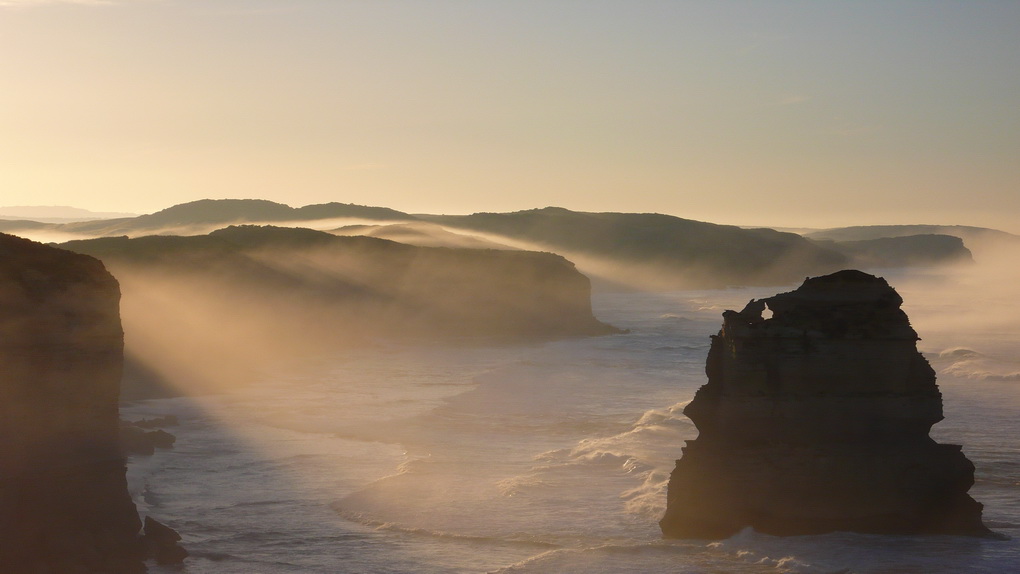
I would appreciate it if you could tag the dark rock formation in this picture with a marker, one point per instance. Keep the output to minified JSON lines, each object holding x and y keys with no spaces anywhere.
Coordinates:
{"x":64,"y":503}
{"x":817,"y":420}
{"x":161,"y":542}
{"x":134,"y":439}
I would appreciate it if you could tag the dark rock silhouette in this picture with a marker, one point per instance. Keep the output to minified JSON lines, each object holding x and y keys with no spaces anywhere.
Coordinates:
{"x":134,"y":439}
{"x":816,"y":420}
{"x":161,"y":542}
{"x":64,"y":503}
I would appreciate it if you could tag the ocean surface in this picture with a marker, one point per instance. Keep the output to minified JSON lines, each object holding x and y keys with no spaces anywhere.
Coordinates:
{"x":540,"y":458}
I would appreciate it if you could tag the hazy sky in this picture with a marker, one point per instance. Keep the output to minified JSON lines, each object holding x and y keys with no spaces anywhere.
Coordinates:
{"x":814,"y":113}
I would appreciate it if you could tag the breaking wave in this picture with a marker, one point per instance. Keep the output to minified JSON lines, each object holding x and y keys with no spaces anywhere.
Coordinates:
{"x":969,"y":364}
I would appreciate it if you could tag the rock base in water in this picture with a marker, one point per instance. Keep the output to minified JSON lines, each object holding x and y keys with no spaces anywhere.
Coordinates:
{"x":816,"y":420}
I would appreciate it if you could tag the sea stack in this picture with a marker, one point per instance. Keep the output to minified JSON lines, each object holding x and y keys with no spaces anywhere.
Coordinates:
{"x":64,"y":503}
{"x":816,"y":420}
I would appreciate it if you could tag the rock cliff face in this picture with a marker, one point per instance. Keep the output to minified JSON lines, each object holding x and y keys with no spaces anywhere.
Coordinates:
{"x":64,"y":503}
{"x":817,"y":420}
{"x":379,"y":287}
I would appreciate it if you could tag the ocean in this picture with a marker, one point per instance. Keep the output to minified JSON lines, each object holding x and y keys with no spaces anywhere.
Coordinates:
{"x":543,"y":457}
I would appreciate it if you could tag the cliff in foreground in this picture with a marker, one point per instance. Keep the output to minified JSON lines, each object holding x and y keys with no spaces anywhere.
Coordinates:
{"x":816,"y":420}
{"x":64,"y":503}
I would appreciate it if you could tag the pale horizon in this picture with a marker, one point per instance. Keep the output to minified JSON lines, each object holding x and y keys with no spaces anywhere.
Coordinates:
{"x":777,"y":114}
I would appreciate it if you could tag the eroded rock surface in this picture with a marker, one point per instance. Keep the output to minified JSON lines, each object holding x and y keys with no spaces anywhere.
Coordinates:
{"x":817,"y":420}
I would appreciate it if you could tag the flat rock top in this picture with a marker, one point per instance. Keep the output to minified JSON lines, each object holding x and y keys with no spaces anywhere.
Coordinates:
{"x":42,"y":268}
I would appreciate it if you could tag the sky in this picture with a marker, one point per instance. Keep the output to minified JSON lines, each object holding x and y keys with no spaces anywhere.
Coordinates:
{"x":777,"y":113}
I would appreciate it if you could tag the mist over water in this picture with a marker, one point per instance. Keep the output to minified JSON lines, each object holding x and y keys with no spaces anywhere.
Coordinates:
{"x":543,"y":457}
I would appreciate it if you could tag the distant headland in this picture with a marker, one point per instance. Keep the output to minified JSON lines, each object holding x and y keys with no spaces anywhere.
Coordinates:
{"x":616,"y":250}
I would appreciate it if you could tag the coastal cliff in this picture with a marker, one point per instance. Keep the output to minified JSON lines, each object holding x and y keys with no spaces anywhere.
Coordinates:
{"x":209,"y":311}
{"x":816,"y":420}
{"x":378,"y":287}
{"x":64,"y":502}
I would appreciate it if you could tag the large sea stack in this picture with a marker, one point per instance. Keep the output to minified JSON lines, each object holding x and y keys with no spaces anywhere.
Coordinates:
{"x":816,"y":420}
{"x":64,"y":503}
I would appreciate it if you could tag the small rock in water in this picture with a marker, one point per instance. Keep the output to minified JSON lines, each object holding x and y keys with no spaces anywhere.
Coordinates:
{"x":161,"y":542}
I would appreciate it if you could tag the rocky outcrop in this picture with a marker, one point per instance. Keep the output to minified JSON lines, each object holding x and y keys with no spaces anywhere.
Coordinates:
{"x":145,"y":436}
{"x":64,"y":503}
{"x":135,"y":439}
{"x":816,"y":420}
{"x":372,"y":286}
{"x":161,"y":542}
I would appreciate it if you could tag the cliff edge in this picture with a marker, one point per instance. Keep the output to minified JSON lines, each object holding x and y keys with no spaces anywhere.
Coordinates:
{"x":363,"y":285}
{"x":64,"y":502}
{"x":816,"y":420}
